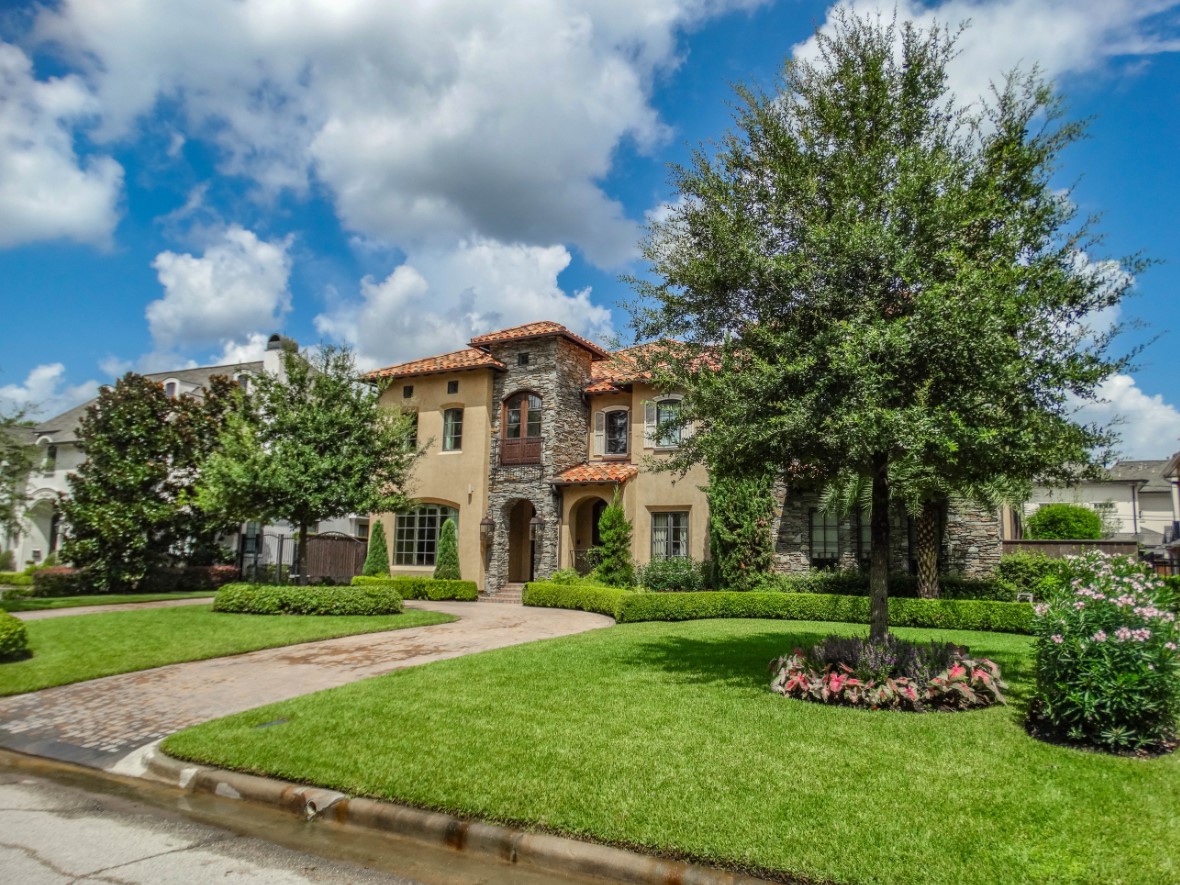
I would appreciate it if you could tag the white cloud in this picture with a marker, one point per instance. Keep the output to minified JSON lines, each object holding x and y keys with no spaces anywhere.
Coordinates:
{"x":248,"y":350}
{"x":437,"y":301}
{"x":46,"y":191}
{"x":1061,"y":36}
{"x":236,"y":288}
{"x":1149,"y":426}
{"x":428,"y":122}
{"x":45,"y":393}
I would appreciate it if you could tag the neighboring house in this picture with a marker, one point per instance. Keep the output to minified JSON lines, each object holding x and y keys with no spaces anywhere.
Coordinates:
{"x":1138,"y":501}
{"x":530,"y":431}
{"x":58,"y":455}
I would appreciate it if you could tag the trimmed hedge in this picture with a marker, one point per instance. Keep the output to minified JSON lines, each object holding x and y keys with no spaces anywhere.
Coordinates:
{"x":434,"y":589}
{"x":856,"y":583}
{"x":59,"y":580}
{"x":582,"y":597}
{"x":14,"y":639}
{"x":627,"y":607}
{"x":16,"y":579}
{"x":268,"y":599}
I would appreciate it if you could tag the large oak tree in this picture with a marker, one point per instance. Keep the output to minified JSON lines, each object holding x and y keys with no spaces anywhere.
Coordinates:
{"x":867,"y":274}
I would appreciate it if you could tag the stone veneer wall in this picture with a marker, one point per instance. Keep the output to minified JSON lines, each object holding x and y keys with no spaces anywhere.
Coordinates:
{"x":972,"y":543}
{"x":557,"y":372}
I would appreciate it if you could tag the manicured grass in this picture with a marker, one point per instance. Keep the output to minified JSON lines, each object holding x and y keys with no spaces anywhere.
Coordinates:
{"x":88,"y":646}
{"x":665,"y":736}
{"x":38,"y":604}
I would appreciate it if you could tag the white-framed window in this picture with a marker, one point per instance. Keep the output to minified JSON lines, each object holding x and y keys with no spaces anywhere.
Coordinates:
{"x":612,"y":431}
{"x":656,"y":413}
{"x":825,"y":539}
{"x":452,"y":430}
{"x":669,"y":534}
{"x":415,"y":533}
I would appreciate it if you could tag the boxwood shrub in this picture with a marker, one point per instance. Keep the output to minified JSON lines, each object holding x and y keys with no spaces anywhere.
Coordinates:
{"x":16,"y":579}
{"x":268,"y":599}
{"x":435,"y":589}
{"x":14,"y":639}
{"x":628,"y":607}
{"x":856,"y":583}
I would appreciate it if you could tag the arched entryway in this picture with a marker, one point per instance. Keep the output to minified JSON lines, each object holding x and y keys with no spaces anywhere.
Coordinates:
{"x":521,"y":544}
{"x":584,"y":519}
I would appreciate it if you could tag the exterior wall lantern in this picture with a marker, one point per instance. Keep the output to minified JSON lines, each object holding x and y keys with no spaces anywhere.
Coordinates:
{"x":486,"y":529}
{"x":536,"y":525}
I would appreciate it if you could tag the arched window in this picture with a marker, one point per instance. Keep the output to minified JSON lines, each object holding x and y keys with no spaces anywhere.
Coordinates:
{"x":452,"y":430}
{"x":612,"y":431}
{"x":415,"y":538}
{"x":656,"y":415}
{"x":170,"y":389}
{"x":521,"y":435}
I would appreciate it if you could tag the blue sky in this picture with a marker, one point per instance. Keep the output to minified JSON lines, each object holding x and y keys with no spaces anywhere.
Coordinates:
{"x":178,"y":180}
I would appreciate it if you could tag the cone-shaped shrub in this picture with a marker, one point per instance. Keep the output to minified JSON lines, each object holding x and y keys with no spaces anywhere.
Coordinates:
{"x":446,"y":567}
{"x":615,"y":568}
{"x":377,"y":559}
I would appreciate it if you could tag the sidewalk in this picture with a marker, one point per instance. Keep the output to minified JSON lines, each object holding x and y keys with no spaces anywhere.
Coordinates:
{"x":97,"y":723}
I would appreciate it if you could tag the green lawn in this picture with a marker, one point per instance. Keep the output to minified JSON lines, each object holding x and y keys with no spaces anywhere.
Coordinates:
{"x":39,"y":603}
{"x":665,"y":736}
{"x":88,"y":646}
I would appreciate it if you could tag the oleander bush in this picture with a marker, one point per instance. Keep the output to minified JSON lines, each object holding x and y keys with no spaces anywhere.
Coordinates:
{"x":434,"y":589}
{"x":59,"y":580}
{"x":677,"y":574}
{"x":269,"y":599}
{"x":14,"y":639}
{"x":1108,"y":671}
{"x":888,"y":675}
{"x":629,"y":607}
{"x":1030,"y":572}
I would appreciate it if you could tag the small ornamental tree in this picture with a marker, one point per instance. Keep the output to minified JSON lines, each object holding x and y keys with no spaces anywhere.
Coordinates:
{"x":446,"y":564}
{"x":312,"y":445}
{"x":741,"y":512}
{"x":377,"y":556}
{"x":1070,"y":522}
{"x":16,"y":459}
{"x":615,"y":568}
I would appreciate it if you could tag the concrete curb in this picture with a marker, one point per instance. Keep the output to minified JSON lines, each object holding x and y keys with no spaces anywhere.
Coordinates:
{"x":541,"y":851}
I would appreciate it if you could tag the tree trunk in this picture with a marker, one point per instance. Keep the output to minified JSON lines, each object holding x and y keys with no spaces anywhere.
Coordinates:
{"x":927,"y":552}
{"x":301,"y":554}
{"x":879,"y":562}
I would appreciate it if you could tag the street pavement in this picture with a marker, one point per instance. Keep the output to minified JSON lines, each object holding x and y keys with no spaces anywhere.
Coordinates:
{"x":101,"y":722}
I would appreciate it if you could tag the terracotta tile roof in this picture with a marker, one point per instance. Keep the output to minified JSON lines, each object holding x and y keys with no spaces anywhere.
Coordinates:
{"x":610,"y":375}
{"x":447,"y":362}
{"x":542,"y":329}
{"x":605,"y":471}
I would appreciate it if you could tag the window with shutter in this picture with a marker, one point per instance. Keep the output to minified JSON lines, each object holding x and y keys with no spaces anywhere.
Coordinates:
{"x":599,"y":432}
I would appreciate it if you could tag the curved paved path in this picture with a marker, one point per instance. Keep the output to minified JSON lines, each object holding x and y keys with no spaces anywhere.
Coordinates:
{"x":97,"y":723}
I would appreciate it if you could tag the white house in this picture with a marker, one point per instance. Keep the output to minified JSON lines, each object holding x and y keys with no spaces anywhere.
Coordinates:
{"x":58,"y":455}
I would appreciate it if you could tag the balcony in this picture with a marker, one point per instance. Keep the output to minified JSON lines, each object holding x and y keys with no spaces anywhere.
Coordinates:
{"x":525,"y":450}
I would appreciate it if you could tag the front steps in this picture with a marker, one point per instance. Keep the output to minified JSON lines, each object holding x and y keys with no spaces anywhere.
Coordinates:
{"x":509,"y":593}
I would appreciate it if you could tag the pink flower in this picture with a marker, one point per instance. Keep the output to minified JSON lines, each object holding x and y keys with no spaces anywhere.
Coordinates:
{"x":1057,"y":638}
{"x":1100,"y":636}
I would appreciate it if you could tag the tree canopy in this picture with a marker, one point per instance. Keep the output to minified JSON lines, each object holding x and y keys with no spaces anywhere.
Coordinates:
{"x":16,"y":459}
{"x":868,"y":275}
{"x":312,"y":444}
{"x":132,"y":505}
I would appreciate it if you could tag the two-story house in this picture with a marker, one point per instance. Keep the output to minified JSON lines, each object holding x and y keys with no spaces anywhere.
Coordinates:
{"x":529,"y":433}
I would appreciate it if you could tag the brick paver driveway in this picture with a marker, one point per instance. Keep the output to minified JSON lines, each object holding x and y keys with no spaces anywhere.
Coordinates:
{"x":97,"y":723}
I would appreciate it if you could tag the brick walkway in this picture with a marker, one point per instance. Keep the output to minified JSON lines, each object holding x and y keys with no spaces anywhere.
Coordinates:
{"x":97,"y":723}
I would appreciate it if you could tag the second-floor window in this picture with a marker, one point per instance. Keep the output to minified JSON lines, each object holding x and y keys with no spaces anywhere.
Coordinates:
{"x":50,"y":463}
{"x":612,"y":432}
{"x":657,"y":433}
{"x":452,"y":430}
{"x":523,"y":416}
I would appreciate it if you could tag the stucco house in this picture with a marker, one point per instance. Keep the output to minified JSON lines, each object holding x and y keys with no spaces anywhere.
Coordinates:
{"x":531,"y":430}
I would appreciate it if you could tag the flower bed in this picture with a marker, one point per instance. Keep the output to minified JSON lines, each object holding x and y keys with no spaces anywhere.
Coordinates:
{"x":1108,"y":669}
{"x":889,"y":675}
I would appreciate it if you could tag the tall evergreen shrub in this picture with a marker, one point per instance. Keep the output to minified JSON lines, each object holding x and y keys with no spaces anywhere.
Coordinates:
{"x":741,"y":512}
{"x":1068,"y":522}
{"x":446,"y":567}
{"x":615,"y":568}
{"x":377,"y":557}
